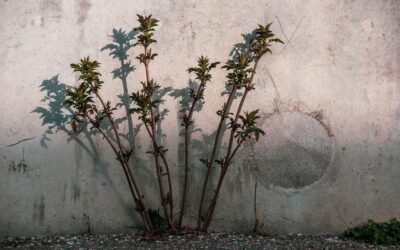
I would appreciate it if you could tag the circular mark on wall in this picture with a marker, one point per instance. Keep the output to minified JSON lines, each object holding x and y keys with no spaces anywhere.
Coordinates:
{"x":294,"y":153}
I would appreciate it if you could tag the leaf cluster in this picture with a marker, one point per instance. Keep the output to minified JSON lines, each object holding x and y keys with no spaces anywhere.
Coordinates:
{"x":247,"y":127}
{"x":88,"y":74}
{"x":80,"y":98}
{"x":202,"y":72}
{"x":160,"y":223}
{"x":82,"y":103}
{"x":145,"y":38}
{"x":387,"y":233}
{"x":239,"y":70}
{"x":263,"y":39}
{"x":144,"y":101}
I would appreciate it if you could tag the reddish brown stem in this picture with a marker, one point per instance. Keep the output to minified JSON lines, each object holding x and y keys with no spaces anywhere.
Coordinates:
{"x":256,"y":220}
{"x":87,"y":221}
{"x":239,"y":110}
{"x":211,"y":208}
{"x":171,"y":200}
{"x":214,"y":200}
{"x":213,"y":154}
{"x":137,"y":197}
{"x":124,"y":161}
{"x":187,"y":124}
{"x":156,"y":154}
{"x":111,"y":121}
{"x":229,"y":156}
{"x":165,"y":164}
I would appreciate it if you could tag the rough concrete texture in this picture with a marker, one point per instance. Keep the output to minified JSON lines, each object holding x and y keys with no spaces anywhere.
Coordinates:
{"x":329,"y":100}
{"x":295,"y":153}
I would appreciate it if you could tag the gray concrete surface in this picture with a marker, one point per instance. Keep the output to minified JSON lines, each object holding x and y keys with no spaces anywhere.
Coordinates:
{"x":328,"y":98}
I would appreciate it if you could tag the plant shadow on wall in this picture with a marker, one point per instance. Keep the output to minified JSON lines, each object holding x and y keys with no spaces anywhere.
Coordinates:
{"x":91,"y":114}
{"x":56,"y":116}
{"x":200,"y":146}
{"x":122,"y":42}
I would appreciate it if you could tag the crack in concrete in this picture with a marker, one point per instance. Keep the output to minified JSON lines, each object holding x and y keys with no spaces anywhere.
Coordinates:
{"x":291,"y":37}
{"x":277,"y":101}
{"x":18,"y":142}
{"x":280,"y":25}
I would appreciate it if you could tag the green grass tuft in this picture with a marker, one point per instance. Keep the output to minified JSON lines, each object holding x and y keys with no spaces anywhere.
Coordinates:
{"x":387,"y":233}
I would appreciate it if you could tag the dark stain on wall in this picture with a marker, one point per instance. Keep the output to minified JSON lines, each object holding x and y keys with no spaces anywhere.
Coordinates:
{"x":50,"y":10}
{"x":19,"y":167}
{"x":39,"y":211}
{"x":63,"y":194}
{"x":82,"y":10}
{"x":76,"y":191}
{"x":20,"y":141}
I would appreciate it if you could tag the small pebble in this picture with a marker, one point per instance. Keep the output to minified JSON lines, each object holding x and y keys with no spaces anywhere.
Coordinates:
{"x":191,"y":240}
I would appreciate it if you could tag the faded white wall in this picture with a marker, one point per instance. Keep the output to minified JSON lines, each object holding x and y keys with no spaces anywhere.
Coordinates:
{"x":328,"y":98}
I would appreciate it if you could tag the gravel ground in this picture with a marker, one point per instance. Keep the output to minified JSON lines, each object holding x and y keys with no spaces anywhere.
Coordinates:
{"x":186,"y":241}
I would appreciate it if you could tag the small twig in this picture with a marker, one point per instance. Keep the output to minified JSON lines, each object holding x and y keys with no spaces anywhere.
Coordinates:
{"x":257,"y":223}
{"x":294,"y":32}
{"x":18,"y":142}
{"x":218,"y":137}
{"x":87,"y":221}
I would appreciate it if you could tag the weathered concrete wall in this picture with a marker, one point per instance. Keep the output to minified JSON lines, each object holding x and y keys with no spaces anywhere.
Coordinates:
{"x":329,"y":100}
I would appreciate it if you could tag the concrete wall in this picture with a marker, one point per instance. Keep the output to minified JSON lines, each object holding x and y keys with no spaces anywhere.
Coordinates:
{"x":328,"y":97}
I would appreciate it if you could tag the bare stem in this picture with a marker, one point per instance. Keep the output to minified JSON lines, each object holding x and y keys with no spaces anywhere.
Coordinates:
{"x":213,"y":154}
{"x":156,"y":154}
{"x":165,"y":164}
{"x":211,"y":208}
{"x":171,"y":200}
{"x":87,"y":221}
{"x":214,"y":200}
{"x":257,"y":224}
{"x":137,"y":197}
{"x":125,"y":163}
{"x":111,"y":121}
{"x":229,"y":155}
{"x":187,"y":123}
